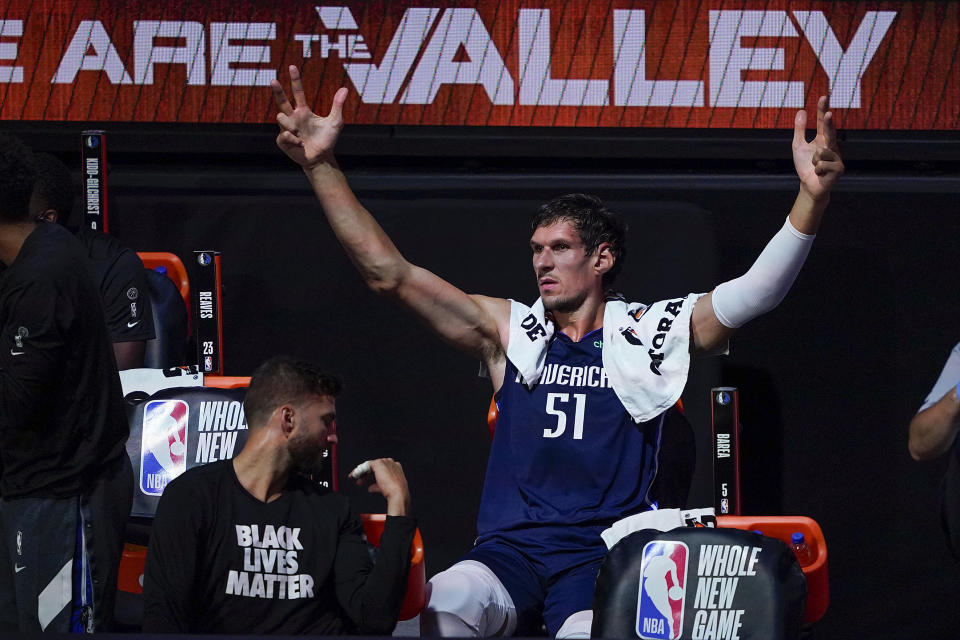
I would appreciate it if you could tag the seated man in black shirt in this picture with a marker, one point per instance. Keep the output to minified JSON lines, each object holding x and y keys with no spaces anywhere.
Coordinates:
{"x":117,"y":271}
{"x":251,"y":545}
{"x":67,"y":483}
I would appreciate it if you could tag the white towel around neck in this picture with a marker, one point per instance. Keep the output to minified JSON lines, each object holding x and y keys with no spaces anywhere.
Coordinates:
{"x":646,"y":349}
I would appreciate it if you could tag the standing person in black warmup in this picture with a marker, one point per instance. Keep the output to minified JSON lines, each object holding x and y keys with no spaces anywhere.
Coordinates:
{"x":251,"y":545}
{"x":67,"y":484}
{"x":117,"y":271}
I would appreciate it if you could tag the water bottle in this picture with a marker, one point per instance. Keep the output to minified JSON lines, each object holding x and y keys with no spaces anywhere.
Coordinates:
{"x":800,"y":549}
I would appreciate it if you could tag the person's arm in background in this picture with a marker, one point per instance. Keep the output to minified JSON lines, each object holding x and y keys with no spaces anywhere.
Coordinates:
{"x":129,"y":315}
{"x":129,"y":355}
{"x":934,"y":428}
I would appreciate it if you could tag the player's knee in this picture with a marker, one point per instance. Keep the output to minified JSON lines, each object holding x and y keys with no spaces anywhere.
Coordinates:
{"x":451,"y":593}
{"x":467,"y":599}
{"x":576,"y":626}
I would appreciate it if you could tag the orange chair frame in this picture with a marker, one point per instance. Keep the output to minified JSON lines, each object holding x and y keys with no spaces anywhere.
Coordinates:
{"x":782,"y":528}
{"x":226,"y":382}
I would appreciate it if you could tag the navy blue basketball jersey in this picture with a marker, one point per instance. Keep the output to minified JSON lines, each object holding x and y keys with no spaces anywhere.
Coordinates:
{"x":566,"y":452}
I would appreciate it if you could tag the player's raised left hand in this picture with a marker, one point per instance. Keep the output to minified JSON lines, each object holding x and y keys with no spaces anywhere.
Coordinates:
{"x":818,"y":162}
{"x":308,"y":139}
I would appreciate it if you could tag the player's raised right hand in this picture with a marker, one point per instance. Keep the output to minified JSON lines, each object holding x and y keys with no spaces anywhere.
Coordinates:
{"x":818,"y":162}
{"x":305,"y":137}
{"x":389,"y":480}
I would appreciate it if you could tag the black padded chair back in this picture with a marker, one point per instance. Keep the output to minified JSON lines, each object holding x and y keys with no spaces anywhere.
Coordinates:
{"x":699,"y":583}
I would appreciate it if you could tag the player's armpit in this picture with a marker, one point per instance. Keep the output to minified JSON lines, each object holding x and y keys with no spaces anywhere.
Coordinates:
{"x":708,"y":335}
{"x":495,"y":359}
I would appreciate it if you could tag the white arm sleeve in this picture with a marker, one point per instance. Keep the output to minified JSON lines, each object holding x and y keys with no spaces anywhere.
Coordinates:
{"x":766,"y":283}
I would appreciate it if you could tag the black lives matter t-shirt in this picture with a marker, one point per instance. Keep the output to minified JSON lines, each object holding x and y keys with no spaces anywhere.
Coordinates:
{"x":61,"y":406}
{"x":221,"y":561}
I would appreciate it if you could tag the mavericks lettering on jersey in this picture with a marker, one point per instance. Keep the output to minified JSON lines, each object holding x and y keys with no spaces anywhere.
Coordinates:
{"x":572,"y":376}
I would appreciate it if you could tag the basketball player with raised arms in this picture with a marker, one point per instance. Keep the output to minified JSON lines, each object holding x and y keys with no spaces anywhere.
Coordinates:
{"x":581,"y":380}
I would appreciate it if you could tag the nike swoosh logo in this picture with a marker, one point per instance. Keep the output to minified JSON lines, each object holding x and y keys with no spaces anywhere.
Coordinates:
{"x":131,"y":325}
{"x":16,"y":353}
{"x":18,"y":568}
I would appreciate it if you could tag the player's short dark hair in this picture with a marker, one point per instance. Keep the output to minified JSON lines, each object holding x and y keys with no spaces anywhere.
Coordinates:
{"x":594,"y":223}
{"x":54,"y":188}
{"x":18,"y":172}
{"x":284,"y":380}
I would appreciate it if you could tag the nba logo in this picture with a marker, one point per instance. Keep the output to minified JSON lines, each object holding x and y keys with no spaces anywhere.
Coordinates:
{"x":163,"y":447}
{"x":724,"y":505}
{"x":208,"y":363}
{"x":663,"y":590}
